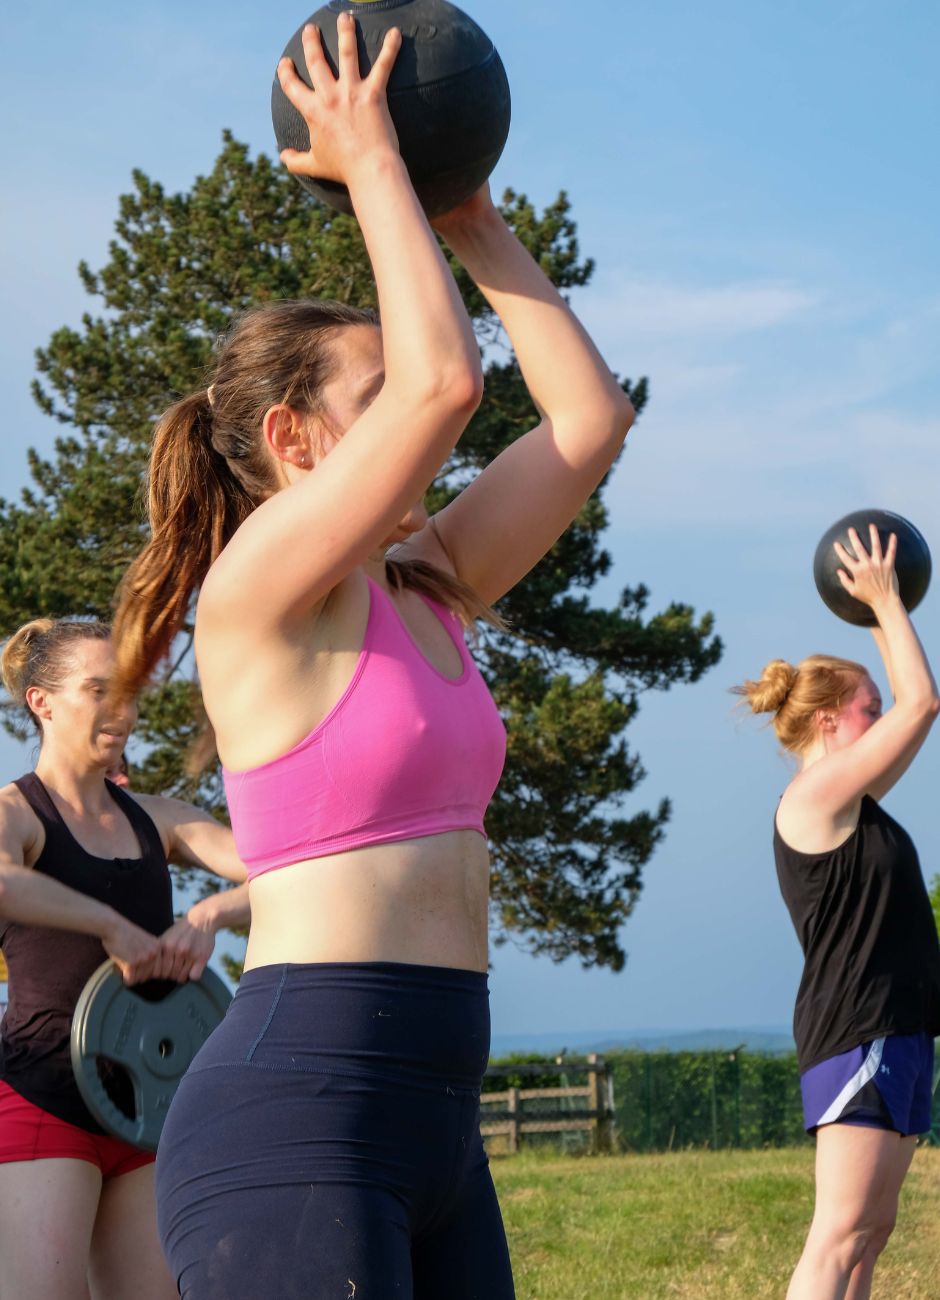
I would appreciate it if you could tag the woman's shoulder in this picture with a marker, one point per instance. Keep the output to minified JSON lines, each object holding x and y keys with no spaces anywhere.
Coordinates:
{"x":806,"y":823}
{"x":20,"y":829}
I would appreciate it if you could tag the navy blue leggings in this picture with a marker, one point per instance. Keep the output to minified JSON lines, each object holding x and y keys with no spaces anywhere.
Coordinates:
{"x":325,"y":1142}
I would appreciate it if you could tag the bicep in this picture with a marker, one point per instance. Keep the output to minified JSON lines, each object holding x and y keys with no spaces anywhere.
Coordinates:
{"x":198,"y":840}
{"x":514,"y":511}
{"x":18,"y":837}
{"x":872,"y":764}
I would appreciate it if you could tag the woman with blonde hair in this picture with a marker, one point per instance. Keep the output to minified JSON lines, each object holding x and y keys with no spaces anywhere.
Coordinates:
{"x":326,"y":1140}
{"x":869,"y":1000}
{"x":83,"y":876}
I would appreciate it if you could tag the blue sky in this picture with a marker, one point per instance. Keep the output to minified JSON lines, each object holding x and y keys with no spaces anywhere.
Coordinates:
{"x":758,"y":185}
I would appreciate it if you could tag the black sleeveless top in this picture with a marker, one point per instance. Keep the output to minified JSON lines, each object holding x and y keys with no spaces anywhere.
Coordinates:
{"x":49,"y":968}
{"x":867,"y":930}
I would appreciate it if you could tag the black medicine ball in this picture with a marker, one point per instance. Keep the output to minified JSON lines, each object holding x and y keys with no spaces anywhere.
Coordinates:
{"x":912,"y":563}
{"x":447,"y":94}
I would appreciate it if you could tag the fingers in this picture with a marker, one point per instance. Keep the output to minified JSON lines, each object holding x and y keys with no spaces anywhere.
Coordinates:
{"x":184,"y":949}
{"x":849,"y":559}
{"x":858,"y":546}
{"x":382,"y":67}
{"x":293,"y":160}
{"x":346,"y":45}
{"x":867,"y":574}
{"x":319,"y":71}
{"x":876,"y":555}
{"x":139,"y":970}
{"x":892,"y":551}
{"x":174,"y":963}
{"x":297,"y":91}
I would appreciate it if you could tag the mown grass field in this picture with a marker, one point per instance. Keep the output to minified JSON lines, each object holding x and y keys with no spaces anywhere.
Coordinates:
{"x":702,"y":1225}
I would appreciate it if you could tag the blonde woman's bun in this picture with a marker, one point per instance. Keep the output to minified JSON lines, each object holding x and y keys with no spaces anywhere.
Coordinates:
{"x":17,"y":654}
{"x":770,"y":693}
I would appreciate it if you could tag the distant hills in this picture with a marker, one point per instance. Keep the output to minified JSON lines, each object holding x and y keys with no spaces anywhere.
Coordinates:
{"x":770,"y":1040}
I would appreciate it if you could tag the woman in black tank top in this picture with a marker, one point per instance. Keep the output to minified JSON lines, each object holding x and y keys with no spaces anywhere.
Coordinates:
{"x":83,"y":875}
{"x":850,"y":876}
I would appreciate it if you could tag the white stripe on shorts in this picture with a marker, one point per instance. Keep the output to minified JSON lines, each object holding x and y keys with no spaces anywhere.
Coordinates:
{"x":864,"y":1074}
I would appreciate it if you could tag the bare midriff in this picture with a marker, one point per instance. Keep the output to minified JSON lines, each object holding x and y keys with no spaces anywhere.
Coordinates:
{"x":423,"y":902}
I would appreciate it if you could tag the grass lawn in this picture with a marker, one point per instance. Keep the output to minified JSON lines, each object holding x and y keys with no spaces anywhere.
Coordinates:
{"x":702,"y":1225}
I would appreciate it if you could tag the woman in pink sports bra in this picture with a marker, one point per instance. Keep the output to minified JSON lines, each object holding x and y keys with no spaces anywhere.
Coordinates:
{"x":326,"y":1141}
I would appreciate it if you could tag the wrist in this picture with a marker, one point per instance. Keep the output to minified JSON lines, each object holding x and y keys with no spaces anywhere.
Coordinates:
{"x":887,"y":603}
{"x":204,"y":915}
{"x":380,"y":163}
{"x":110,"y":924}
{"x":460,"y":229}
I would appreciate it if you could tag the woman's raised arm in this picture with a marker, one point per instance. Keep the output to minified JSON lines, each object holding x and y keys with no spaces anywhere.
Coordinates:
{"x":429,"y":381}
{"x":516,"y":508}
{"x":873,"y":762}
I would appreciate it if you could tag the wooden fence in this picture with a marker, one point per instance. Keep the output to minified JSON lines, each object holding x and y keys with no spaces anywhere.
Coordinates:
{"x":504,"y":1114}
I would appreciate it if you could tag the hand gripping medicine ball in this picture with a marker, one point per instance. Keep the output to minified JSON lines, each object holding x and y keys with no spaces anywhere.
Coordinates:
{"x":912,"y":563}
{"x":448,"y":96}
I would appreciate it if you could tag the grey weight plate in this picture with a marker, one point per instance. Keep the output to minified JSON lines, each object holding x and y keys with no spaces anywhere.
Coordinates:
{"x":151,"y":1038}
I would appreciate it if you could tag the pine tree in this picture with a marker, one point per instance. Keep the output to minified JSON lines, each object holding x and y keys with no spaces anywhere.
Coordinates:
{"x":567,"y":862}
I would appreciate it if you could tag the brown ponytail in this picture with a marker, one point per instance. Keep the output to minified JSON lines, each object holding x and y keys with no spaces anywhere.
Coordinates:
{"x":195,"y":503}
{"x":794,"y":695}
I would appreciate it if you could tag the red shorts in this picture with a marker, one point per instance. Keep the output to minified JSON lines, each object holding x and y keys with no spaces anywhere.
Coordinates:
{"x":28,"y":1132}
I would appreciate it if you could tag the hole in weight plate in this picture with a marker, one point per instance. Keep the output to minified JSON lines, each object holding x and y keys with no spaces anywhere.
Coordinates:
{"x":117,"y":1084}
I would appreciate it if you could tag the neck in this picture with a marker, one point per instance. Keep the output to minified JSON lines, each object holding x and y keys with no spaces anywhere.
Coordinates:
{"x":374,"y":568}
{"x":81,"y":788}
{"x":817,"y":750}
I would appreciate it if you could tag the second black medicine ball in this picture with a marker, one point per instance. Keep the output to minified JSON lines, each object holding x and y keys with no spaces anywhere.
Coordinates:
{"x":448,"y":96}
{"x":911,"y":564}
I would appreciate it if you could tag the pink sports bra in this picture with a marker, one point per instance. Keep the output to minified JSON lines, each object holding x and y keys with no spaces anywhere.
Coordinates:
{"x":406,"y":752}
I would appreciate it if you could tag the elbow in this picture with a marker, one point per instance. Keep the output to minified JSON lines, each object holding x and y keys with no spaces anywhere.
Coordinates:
{"x":455,"y":390}
{"x":622,"y":414}
{"x":446,"y":386}
{"x":612,"y":421}
{"x":923,"y":709}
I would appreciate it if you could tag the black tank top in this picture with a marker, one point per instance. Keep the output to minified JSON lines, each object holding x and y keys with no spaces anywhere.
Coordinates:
{"x":866,"y":927}
{"x":49,"y":968}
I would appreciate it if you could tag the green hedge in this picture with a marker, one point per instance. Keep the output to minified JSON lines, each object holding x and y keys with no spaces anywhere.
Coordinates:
{"x":668,"y":1100}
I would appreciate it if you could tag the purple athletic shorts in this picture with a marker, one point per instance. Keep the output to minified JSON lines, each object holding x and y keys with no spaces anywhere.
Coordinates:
{"x":887,"y":1083}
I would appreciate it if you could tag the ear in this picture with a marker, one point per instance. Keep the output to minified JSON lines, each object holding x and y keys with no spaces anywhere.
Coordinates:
{"x":825,"y":720}
{"x":38,"y":702}
{"x":286,"y":436}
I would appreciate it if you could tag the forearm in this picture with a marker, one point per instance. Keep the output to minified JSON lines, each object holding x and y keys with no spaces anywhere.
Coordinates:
{"x":227,"y":909}
{"x":566,"y":376}
{"x":884,"y":650}
{"x":30,"y":898}
{"x":425,"y":327}
{"x":909,"y":673}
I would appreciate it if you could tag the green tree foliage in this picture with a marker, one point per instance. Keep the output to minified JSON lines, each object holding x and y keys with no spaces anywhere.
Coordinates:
{"x":567,"y":860}
{"x":935,"y":900}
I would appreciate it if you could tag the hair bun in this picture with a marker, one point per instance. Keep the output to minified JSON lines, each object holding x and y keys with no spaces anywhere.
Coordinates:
{"x":769,"y":695}
{"x":16,"y":656}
